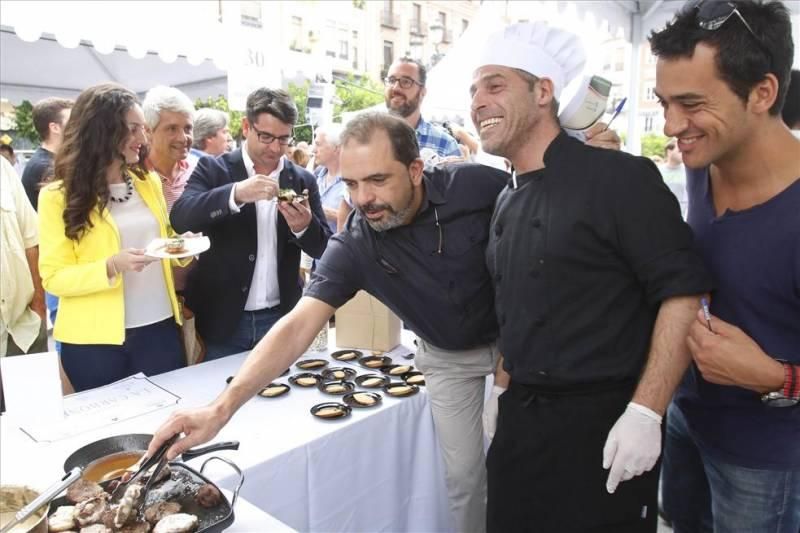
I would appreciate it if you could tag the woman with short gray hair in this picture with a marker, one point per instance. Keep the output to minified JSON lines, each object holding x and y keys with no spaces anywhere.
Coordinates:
{"x":211,"y":133}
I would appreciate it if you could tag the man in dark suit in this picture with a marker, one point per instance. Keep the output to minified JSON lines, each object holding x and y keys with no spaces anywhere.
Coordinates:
{"x":250,"y":276}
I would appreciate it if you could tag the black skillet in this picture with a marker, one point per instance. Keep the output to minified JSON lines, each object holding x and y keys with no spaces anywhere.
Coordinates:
{"x":136,"y":442}
{"x":182,"y":487}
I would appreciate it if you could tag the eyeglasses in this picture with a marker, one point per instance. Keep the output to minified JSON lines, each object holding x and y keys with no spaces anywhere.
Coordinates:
{"x":711,"y":15}
{"x":404,"y":81}
{"x":268,"y":138}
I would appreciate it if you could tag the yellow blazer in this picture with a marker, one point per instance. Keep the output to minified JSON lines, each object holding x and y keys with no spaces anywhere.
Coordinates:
{"x":91,"y":309}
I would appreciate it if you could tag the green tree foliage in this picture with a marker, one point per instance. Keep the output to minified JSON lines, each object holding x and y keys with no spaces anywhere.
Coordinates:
{"x":653,"y":144}
{"x":299,"y":93}
{"x":23,"y":116}
{"x":356,"y":93}
{"x":234,"y":117}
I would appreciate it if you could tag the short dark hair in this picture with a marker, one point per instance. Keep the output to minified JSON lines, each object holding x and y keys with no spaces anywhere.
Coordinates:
{"x":741,"y":62}
{"x":531,"y":80}
{"x":276,"y":102}
{"x":47,"y":111}
{"x":403,"y":138}
{"x":791,"y":108}
{"x":423,"y":72}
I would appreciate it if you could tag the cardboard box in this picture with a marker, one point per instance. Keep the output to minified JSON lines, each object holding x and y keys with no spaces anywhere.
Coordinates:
{"x":364,"y":322}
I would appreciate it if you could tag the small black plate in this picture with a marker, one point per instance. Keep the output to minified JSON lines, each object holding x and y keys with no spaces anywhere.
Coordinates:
{"x":352,"y":401}
{"x":325,"y":386}
{"x":312,"y":364}
{"x":395,"y":385}
{"x":375,"y":361}
{"x":397,"y":370}
{"x":364,"y":377}
{"x":338,"y":372}
{"x":283,"y":389}
{"x":347,"y":355}
{"x":293,"y":379}
{"x":345,"y":410}
{"x":408,"y":378}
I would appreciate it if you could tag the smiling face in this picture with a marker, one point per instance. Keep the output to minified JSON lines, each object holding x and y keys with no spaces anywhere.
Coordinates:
{"x":136,"y":137}
{"x":385,"y":191}
{"x":172,"y":137}
{"x":399,"y":101}
{"x":504,"y":110}
{"x":708,"y":119}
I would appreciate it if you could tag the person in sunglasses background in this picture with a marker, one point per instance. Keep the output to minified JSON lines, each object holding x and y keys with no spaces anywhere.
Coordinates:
{"x":250,"y":276}
{"x":732,"y":448}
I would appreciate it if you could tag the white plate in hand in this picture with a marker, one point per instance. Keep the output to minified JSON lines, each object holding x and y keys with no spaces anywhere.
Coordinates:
{"x":193,"y":246}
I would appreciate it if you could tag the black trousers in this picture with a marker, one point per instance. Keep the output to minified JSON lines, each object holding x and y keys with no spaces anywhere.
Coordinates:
{"x":545,"y":465}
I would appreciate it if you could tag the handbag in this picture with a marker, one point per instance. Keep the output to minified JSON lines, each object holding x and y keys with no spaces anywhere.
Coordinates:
{"x":193,"y":345}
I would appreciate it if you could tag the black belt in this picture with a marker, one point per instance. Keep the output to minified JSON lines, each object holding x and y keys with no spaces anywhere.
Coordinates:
{"x":258,"y":311}
{"x":575,"y":389}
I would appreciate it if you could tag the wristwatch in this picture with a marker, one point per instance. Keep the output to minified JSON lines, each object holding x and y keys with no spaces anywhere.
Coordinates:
{"x":789,"y":394}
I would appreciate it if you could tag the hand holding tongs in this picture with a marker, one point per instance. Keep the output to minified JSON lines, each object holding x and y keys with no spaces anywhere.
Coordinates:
{"x":44,"y":498}
{"x":159,"y":459}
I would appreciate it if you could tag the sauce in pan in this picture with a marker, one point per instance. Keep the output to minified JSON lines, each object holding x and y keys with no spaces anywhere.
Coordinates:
{"x":111,"y":466}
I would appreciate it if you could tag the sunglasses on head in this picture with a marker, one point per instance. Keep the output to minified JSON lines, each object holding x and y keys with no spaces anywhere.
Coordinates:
{"x":712,"y":14}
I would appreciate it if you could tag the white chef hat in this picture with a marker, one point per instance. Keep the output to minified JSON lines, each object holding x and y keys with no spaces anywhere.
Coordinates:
{"x":537,"y":49}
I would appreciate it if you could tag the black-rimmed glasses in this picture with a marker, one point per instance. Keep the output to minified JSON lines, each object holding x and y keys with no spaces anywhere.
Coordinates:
{"x":711,"y":15}
{"x":268,"y":138}
{"x":404,"y":81}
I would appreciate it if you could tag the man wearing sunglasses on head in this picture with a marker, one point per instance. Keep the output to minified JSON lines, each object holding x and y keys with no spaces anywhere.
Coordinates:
{"x":250,"y":276}
{"x":732,"y":448}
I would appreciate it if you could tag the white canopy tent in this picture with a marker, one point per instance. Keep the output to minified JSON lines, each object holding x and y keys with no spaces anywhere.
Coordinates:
{"x":449,"y":80}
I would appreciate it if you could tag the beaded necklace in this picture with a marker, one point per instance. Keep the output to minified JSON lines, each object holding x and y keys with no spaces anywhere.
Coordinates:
{"x":128,"y":192}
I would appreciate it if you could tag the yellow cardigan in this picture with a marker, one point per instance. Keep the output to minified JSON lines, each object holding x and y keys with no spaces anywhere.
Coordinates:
{"x":91,"y":309}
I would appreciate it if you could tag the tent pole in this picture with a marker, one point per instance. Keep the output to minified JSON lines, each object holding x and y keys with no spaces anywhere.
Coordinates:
{"x":633,"y":142}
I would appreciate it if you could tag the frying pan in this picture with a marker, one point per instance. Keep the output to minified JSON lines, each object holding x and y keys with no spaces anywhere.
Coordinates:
{"x":136,"y":442}
{"x":181,"y":487}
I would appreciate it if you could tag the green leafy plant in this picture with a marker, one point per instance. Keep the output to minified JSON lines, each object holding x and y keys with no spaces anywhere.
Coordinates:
{"x":23,"y":116}
{"x":653,"y":144}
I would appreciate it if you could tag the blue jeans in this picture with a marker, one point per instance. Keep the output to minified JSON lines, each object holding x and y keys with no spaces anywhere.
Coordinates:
{"x":52,"y":307}
{"x":251,"y":327}
{"x":152,"y":349}
{"x":703,"y":494}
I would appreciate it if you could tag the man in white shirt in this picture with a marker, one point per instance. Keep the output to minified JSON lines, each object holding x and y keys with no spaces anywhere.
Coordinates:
{"x":250,"y":276}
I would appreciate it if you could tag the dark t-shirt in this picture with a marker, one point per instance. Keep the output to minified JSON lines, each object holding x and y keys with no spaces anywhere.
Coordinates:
{"x":446,"y":298}
{"x":582,"y":254}
{"x":754,"y":257}
{"x":38,"y":169}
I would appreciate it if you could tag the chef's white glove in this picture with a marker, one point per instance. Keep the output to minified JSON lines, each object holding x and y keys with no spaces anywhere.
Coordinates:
{"x":633,"y":445}
{"x":490,"y":412}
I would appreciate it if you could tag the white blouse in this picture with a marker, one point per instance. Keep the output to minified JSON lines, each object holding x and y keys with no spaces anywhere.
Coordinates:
{"x":146,"y":297}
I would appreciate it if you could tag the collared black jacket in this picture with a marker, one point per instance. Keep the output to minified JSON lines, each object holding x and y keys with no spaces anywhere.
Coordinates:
{"x":218,"y":286}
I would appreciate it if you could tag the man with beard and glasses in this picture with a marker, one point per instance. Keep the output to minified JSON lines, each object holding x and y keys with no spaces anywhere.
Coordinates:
{"x":405,"y":90}
{"x":596,"y":285}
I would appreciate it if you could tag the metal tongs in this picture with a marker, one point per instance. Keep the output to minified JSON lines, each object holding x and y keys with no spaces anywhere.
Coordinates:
{"x":45,"y":498}
{"x":159,"y":459}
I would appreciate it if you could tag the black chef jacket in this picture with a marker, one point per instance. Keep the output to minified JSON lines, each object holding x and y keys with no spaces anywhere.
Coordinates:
{"x":581,"y":254}
{"x":446,"y":298}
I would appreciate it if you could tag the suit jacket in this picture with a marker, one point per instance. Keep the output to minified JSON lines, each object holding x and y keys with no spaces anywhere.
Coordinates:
{"x":218,"y":287}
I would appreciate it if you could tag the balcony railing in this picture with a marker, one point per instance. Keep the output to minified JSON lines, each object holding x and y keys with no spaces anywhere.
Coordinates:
{"x":390,"y":19}
{"x":419,"y":27}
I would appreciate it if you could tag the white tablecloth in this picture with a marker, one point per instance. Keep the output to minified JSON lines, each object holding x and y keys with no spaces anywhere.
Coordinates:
{"x":378,"y":470}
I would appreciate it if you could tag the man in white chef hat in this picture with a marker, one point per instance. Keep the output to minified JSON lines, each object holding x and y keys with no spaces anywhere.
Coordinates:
{"x":596,"y":284}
